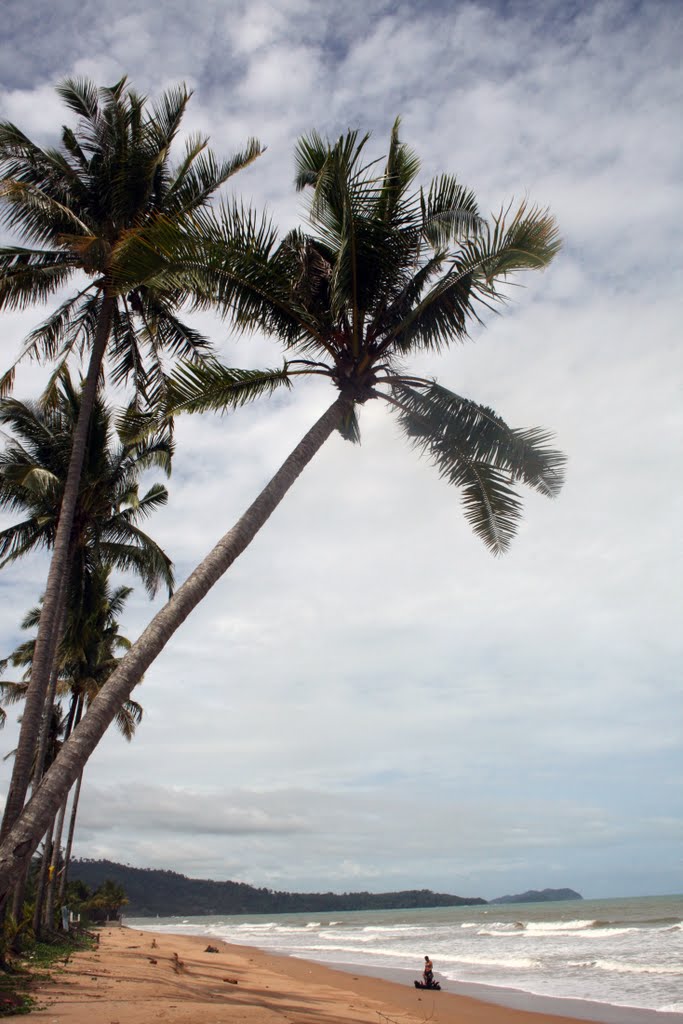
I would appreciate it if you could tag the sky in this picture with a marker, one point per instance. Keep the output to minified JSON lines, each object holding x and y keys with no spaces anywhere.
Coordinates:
{"x":370,"y":700}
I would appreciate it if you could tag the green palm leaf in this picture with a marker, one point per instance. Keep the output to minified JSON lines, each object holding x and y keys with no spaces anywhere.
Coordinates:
{"x":29,"y":276}
{"x":210,"y":385}
{"x":474,"y":449}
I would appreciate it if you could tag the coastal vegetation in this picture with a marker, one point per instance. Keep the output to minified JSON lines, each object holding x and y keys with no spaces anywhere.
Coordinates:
{"x":151,"y":891}
{"x":34,"y":967}
{"x":387,"y":270}
{"x":154,"y":892}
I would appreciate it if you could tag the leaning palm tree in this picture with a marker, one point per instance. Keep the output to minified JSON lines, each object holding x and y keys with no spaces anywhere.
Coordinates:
{"x":389,"y":270}
{"x":74,"y":208}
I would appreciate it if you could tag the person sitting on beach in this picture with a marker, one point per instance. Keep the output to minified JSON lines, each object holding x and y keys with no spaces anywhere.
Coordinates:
{"x":427,"y":973}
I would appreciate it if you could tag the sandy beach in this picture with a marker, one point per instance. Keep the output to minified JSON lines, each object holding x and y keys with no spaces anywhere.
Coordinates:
{"x":138,"y":977}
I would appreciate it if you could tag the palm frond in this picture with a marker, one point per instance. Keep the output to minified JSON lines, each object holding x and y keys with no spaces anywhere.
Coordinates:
{"x":527,"y":240}
{"x":349,"y":428}
{"x":28,"y":276}
{"x":166,"y":115}
{"x":474,"y":449}
{"x":156,"y":497}
{"x":201,"y":175}
{"x":402,"y":167}
{"x":449,"y":212}
{"x":81,"y":96}
{"x":17,"y":540}
{"x":129,"y":549}
{"x":212,"y":386}
{"x":38,"y":216}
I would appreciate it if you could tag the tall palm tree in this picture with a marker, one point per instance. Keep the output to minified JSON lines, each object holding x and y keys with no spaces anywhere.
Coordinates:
{"x":75,"y":207}
{"x":34,"y":468}
{"x":91,"y":650}
{"x":88,"y":652}
{"x":388,"y":271}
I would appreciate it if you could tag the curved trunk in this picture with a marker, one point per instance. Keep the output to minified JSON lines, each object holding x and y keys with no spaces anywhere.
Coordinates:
{"x":46,"y":640}
{"x":22,"y":840}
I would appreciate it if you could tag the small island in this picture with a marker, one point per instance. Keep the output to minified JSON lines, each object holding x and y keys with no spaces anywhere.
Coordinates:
{"x":539,"y":896}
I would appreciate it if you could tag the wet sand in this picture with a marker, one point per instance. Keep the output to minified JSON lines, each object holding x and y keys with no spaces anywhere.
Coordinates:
{"x":138,"y":977}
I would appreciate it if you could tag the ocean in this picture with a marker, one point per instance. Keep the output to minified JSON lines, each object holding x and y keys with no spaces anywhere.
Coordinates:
{"x":613,"y":952}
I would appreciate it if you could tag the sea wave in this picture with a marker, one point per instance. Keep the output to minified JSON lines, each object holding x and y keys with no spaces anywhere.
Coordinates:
{"x":622,"y":967}
{"x":398,"y":929}
{"x":512,"y":962}
{"x":559,"y":926}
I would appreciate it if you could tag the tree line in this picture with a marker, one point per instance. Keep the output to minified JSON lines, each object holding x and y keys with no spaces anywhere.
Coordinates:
{"x":123,"y":239}
{"x":152,"y":892}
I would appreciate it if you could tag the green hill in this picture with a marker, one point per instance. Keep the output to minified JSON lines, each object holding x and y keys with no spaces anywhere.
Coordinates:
{"x":166,"y":893}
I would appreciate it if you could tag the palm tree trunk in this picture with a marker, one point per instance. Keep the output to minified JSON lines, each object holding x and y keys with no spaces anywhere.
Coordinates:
{"x":22,"y":840}
{"x":74,"y":719}
{"x":41,"y":882}
{"x":20,"y":887}
{"x":70,"y":840}
{"x":49,"y":902}
{"x":18,"y":894}
{"x":43,"y":739}
{"x":46,"y":640}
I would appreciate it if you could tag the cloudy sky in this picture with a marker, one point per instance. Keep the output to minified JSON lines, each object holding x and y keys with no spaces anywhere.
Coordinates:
{"x":369,"y":700}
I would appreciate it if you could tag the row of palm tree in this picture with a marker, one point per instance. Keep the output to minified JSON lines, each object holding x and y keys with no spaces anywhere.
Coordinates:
{"x":78,"y":206}
{"x":385,"y":270}
{"x":88,"y":652}
{"x":106,"y":537}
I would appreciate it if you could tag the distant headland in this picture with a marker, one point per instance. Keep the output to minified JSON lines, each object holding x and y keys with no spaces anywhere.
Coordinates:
{"x":153,"y":892}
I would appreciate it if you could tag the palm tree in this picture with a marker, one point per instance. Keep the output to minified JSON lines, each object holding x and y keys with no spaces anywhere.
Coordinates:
{"x":33,"y":472}
{"x":88,"y":652}
{"x":105,"y":529}
{"x":390,"y":270}
{"x":76,"y":207}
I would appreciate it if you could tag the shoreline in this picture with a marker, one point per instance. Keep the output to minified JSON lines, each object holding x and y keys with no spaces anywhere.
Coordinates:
{"x":518,"y":999}
{"x":135,"y":976}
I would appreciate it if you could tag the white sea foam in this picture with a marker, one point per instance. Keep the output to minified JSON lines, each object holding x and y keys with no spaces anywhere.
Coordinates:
{"x":400,"y":929}
{"x":548,"y":927}
{"x":514,"y":962}
{"x":619,"y":967}
{"x":503,"y":930}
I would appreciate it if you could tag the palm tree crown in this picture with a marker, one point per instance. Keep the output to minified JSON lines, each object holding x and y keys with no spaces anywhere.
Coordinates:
{"x":390,"y":270}
{"x":78,"y":203}
{"x":90,"y":649}
{"x":33,"y":470}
